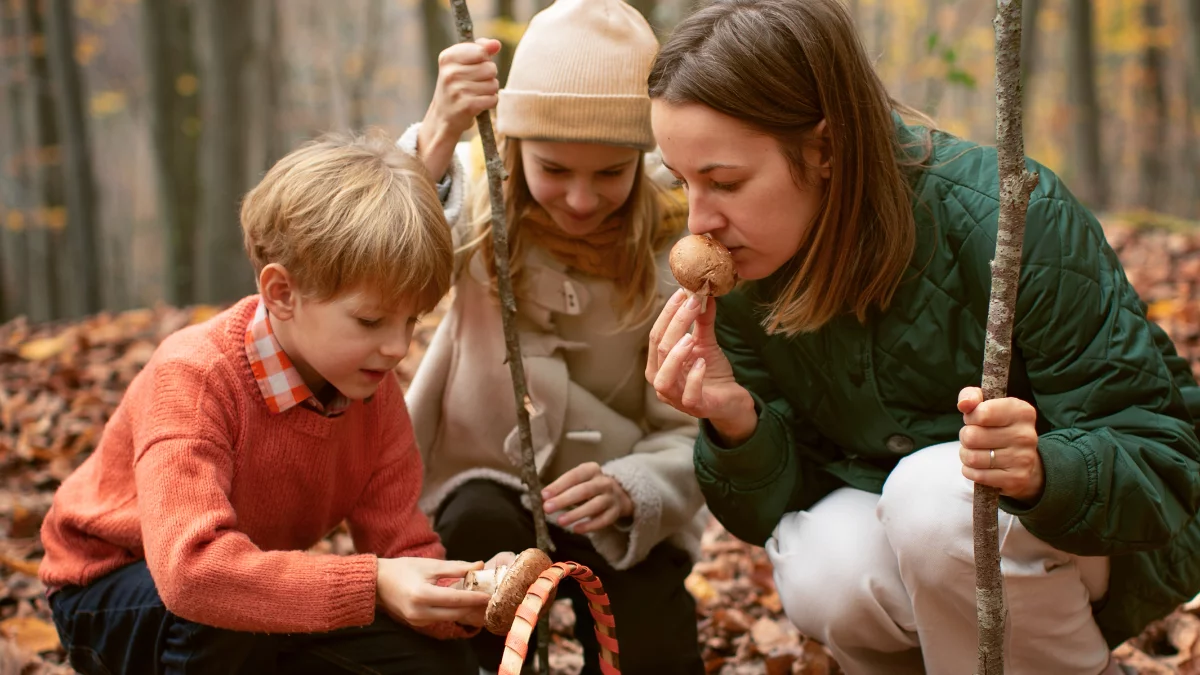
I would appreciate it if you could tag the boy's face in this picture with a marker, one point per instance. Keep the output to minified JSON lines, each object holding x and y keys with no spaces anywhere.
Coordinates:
{"x":350,"y":341}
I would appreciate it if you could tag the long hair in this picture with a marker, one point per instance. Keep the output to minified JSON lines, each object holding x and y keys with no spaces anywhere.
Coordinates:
{"x":782,"y":66}
{"x":650,"y":225}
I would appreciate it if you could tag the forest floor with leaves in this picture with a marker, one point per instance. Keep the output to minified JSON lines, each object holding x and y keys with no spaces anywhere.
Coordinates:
{"x":59,"y":383}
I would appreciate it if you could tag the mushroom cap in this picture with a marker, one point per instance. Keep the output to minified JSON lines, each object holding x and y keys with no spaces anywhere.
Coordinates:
{"x":703,"y":265}
{"x":523,"y":571}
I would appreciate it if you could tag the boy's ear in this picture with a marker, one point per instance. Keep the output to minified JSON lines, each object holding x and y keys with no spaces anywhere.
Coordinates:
{"x":278,"y":291}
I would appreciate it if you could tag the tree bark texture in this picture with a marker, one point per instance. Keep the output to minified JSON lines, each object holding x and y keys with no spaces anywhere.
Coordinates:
{"x":508,"y":313}
{"x":14,"y":220}
{"x":225,"y":35}
{"x":167,"y":50}
{"x":437,"y":38}
{"x":1081,"y":92}
{"x":46,"y":232}
{"x":1015,"y":186}
{"x":82,"y":230}
{"x":1155,"y":118}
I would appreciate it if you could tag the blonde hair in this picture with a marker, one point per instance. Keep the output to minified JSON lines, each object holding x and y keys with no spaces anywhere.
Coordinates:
{"x":345,"y":212}
{"x":781,"y":66}
{"x":653,"y":220}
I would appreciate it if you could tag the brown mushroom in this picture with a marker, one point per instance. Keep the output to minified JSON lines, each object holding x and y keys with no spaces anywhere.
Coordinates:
{"x":507,"y":585}
{"x":703,"y":266}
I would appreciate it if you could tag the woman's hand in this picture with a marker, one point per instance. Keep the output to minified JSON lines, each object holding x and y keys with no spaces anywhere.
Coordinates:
{"x":467,"y":85}
{"x":691,"y":374}
{"x":590,"y":494}
{"x":1000,"y":445}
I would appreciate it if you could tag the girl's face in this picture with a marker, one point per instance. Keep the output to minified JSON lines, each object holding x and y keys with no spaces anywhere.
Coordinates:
{"x":579,"y":184}
{"x":739,"y":184}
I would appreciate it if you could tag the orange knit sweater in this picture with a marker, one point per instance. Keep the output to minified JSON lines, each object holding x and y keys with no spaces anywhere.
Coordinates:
{"x":222,"y":498}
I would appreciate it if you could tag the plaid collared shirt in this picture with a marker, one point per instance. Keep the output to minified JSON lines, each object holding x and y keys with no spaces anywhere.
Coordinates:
{"x":278,"y":380}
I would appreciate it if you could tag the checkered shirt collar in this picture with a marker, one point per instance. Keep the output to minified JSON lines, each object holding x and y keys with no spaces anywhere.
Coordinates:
{"x":278,"y":380}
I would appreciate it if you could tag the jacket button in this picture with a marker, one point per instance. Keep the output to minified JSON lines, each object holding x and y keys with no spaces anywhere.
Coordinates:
{"x":899,"y":444}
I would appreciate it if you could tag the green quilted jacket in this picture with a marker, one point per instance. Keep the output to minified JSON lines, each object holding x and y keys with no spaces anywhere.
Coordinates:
{"x":1117,"y":407}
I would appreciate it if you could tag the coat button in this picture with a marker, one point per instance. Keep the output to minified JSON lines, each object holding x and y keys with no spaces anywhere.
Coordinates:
{"x":899,"y":444}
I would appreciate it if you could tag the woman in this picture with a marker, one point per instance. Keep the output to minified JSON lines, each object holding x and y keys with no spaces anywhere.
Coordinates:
{"x":840,"y":425}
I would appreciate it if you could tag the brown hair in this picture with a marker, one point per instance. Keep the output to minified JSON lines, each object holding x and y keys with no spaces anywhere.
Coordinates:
{"x":344,"y":212}
{"x":781,"y":66}
{"x":652,"y":222}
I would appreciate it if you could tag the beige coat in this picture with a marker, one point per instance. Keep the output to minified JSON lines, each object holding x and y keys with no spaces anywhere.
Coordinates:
{"x":590,"y":397}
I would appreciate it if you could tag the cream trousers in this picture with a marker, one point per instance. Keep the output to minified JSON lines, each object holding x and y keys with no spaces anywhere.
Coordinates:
{"x":887,"y":582}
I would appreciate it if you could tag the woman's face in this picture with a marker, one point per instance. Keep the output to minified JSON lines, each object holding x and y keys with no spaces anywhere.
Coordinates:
{"x":579,"y":184}
{"x":739,"y":184}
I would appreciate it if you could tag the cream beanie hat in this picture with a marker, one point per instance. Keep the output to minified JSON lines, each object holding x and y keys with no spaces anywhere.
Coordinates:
{"x":579,"y":75}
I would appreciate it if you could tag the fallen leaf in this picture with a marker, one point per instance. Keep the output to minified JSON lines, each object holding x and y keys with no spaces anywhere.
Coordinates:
{"x":767,"y":634}
{"x":27,"y":567}
{"x":31,"y":634}
{"x":40,"y":350}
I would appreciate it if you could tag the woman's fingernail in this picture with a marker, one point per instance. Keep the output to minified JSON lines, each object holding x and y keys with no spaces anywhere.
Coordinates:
{"x":549,"y":507}
{"x":677,"y":295}
{"x":693,"y":302}
{"x":698,"y":364}
{"x":686,"y":339}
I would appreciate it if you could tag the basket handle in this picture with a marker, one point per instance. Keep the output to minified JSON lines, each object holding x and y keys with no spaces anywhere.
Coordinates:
{"x":516,"y":645}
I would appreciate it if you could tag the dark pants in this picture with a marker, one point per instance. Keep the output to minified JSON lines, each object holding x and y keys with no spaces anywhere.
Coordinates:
{"x":118,"y":625}
{"x":655,"y":615}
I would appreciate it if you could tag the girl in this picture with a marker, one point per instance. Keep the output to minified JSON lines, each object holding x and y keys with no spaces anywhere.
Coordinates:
{"x":589,"y":233}
{"x":840,"y":427}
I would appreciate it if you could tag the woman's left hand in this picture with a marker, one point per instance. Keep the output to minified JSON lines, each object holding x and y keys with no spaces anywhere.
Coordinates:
{"x":589,"y":493}
{"x":1000,"y":445}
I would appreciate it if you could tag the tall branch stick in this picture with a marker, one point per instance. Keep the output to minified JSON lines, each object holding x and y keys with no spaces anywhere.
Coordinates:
{"x":1016,"y":184}
{"x":508,"y":312}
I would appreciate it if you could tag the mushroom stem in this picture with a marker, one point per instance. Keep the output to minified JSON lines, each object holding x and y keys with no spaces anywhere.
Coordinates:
{"x":484,"y":581}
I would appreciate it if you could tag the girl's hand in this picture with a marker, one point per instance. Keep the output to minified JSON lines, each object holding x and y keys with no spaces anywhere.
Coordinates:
{"x":1000,"y":445}
{"x":590,"y":494}
{"x":406,"y":589}
{"x":691,"y":374}
{"x":467,"y":85}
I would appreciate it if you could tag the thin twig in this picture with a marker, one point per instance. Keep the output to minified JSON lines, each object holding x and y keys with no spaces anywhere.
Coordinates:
{"x":1016,"y":184}
{"x":508,"y":312}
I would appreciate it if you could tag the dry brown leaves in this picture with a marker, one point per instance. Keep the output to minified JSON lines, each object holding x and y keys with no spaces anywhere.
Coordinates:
{"x":59,"y":384}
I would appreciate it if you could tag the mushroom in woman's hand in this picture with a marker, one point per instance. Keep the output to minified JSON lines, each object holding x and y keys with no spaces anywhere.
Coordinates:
{"x":703,"y":266}
{"x":507,"y":585}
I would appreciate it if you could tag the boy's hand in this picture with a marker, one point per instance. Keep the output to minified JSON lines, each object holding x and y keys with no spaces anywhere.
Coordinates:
{"x":999,"y":445}
{"x":592,"y":495}
{"x":467,"y":85}
{"x":406,"y":590}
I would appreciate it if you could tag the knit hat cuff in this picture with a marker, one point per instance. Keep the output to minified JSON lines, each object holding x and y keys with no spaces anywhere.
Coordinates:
{"x":575,"y":118}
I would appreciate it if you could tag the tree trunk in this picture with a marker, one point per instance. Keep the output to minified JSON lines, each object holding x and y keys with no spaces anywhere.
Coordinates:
{"x":46,"y":234}
{"x":1090,"y":184}
{"x":83,"y":242}
{"x":504,"y":11}
{"x":1191,"y":11}
{"x":167,"y":48}
{"x":437,"y":38}
{"x":360,"y":83}
{"x":14,"y":218}
{"x":1029,"y":45}
{"x":1155,"y":123}
{"x":223,"y":30}
{"x":167,"y":51}
{"x":262,"y":87}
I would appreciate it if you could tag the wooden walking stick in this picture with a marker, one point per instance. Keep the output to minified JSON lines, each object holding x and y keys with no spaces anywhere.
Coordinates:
{"x":1016,"y":184}
{"x":508,"y":310}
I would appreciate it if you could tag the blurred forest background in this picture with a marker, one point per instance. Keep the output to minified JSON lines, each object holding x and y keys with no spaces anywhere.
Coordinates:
{"x":129,"y":129}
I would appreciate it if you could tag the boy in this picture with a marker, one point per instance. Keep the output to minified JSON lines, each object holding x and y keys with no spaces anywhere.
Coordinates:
{"x":180,"y":545}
